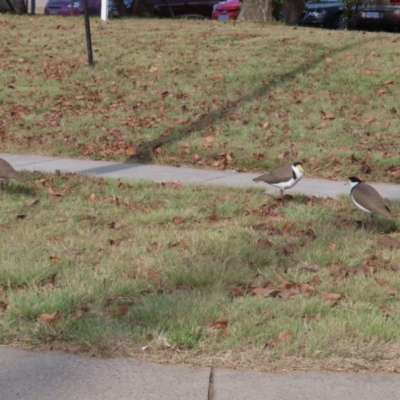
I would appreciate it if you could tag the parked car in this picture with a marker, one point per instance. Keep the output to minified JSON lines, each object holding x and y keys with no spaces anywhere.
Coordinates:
{"x":377,"y":14}
{"x":226,"y":10}
{"x":192,"y":9}
{"x":230,"y":9}
{"x":75,"y":7}
{"x":180,"y":8}
{"x":384,"y":14}
{"x":324,"y":14}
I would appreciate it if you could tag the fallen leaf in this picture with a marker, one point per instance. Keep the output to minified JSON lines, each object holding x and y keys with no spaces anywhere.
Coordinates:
{"x":306,"y":289}
{"x":264,"y":292}
{"x":54,"y":194}
{"x":3,"y":305}
{"x":214,"y":218}
{"x":328,"y":115}
{"x":54,"y":258}
{"x":171,"y":185}
{"x":366,"y":169}
{"x":389,"y":241}
{"x":47,"y":288}
{"x":289,"y":249}
{"x":152,"y":274}
{"x":115,"y":225}
{"x":236,"y":291}
{"x":332,"y":246}
{"x":343,"y":274}
{"x":287,"y":226}
{"x":114,"y":242}
{"x":309,"y":233}
{"x":385,"y":308}
{"x":31,"y":202}
{"x":264,"y":243}
{"x":178,"y":220}
{"x":122,"y":309}
{"x":391,"y":290}
{"x":218,"y":325}
{"x":266,"y":282}
{"x":174,"y":244}
{"x":311,"y":318}
{"x":364,"y":269}
{"x":288,"y":293}
{"x":284,"y":283}
{"x":315,"y":280}
{"x":262,"y":225}
{"x":50,"y":318}
{"x":92,"y":197}
{"x":331,"y":297}
{"x":281,"y":337}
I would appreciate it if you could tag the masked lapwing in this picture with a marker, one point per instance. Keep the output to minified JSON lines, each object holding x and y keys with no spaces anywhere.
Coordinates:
{"x":283,"y":177}
{"x":366,"y":198}
{"x":8,"y":173}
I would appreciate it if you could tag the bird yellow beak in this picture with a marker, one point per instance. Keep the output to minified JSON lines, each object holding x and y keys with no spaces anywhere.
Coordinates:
{"x":301,"y":168}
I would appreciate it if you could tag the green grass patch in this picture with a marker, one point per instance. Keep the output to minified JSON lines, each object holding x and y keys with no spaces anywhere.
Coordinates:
{"x":240,"y":96}
{"x":110,"y":267}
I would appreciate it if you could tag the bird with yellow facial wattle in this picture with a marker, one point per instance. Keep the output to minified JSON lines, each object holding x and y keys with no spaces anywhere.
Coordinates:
{"x":367,"y":199}
{"x":284,"y":177}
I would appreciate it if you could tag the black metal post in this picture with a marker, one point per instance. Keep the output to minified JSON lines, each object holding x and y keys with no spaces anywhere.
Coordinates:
{"x":88,"y":36}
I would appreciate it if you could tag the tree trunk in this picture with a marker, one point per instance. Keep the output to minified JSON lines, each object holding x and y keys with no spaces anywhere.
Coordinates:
{"x":255,"y":10}
{"x":143,"y":8}
{"x":292,"y":10}
{"x":20,"y":7}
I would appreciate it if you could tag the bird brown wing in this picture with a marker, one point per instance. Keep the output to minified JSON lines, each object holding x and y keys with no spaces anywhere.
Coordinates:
{"x":370,"y":199}
{"x":281,"y":174}
{"x":8,"y":172}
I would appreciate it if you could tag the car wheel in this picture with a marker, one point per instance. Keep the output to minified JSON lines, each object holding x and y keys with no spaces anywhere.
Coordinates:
{"x":340,"y":23}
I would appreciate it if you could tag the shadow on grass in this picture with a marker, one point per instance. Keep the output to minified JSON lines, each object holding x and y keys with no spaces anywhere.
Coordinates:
{"x":147,"y":152}
{"x":377,"y":224}
{"x":17,"y":189}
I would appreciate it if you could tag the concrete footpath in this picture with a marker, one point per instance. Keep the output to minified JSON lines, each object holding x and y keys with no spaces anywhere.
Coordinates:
{"x":157,"y":173}
{"x":34,"y":375}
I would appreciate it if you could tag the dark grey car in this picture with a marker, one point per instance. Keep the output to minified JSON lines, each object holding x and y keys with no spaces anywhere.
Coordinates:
{"x":380,"y":14}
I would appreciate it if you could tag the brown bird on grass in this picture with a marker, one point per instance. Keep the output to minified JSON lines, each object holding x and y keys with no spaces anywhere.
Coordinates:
{"x":283,"y":177}
{"x":8,"y":173}
{"x":366,"y":198}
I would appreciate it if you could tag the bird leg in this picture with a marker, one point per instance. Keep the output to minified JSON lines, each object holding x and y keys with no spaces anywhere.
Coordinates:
{"x":370,"y":220}
{"x":1,"y":185}
{"x":282,"y":192}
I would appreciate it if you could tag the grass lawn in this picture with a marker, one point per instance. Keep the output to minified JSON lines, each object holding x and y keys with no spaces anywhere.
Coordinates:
{"x":196,"y":274}
{"x":218,"y":95}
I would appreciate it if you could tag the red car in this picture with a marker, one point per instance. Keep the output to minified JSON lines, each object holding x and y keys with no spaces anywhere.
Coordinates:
{"x":226,"y":10}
